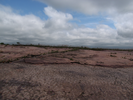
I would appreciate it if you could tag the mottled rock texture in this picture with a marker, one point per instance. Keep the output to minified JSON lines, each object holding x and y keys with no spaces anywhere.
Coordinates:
{"x":32,"y":73}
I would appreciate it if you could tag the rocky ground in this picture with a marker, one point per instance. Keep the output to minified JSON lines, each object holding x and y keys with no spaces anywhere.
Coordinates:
{"x":32,"y":73}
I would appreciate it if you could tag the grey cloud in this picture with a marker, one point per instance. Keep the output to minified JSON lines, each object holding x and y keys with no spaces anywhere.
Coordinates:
{"x":92,"y":6}
{"x":126,"y":33}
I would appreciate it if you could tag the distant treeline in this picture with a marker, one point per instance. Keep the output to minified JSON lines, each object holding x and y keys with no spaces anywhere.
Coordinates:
{"x":66,"y":46}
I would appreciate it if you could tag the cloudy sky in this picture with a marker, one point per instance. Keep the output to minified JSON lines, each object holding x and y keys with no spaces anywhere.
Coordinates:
{"x":91,"y":23}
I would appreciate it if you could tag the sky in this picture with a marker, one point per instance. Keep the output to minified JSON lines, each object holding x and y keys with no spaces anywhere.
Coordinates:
{"x":90,"y":23}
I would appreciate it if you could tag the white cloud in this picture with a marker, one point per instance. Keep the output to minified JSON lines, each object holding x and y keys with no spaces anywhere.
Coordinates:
{"x":121,"y":11}
{"x":14,"y":26}
{"x":56,"y":30}
{"x":52,"y":13}
{"x":124,"y":25}
{"x":57,"y":20}
{"x":92,"y":6}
